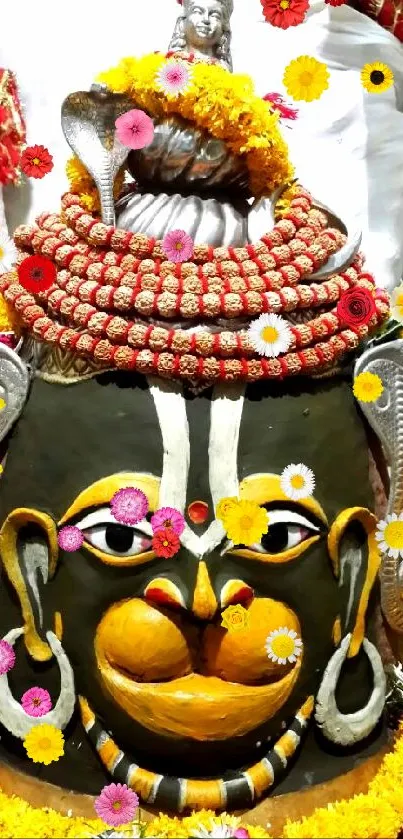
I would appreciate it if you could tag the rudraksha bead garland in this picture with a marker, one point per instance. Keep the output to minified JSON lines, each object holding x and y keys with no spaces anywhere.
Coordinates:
{"x":110,"y":281}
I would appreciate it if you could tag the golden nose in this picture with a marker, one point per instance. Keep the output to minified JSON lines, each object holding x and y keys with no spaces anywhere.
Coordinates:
{"x":204,"y":600}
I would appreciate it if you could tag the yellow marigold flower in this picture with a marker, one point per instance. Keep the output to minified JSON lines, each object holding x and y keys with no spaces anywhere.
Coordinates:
{"x":90,"y":200}
{"x":8,"y":318}
{"x":44,"y":744}
{"x":77,"y":174}
{"x":305,"y":78}
{"x":224,"y":506}
{"x":368,"y":387}
{"x":235,"y":618}
{"x":376,"y":77}
{"x":246,"y":522}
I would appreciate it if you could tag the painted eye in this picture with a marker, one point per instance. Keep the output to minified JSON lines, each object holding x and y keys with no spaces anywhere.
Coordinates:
{"x":102,"y":531}
{"x":286,"y":530}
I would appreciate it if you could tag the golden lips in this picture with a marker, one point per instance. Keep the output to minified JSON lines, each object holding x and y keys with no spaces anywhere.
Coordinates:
{"x":147,"y":659}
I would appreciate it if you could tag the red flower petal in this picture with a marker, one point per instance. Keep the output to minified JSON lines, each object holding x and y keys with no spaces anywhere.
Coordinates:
{"x":165,"y":543}
{"x":36,"y":162}
{"x":356,"y":307}
{"x":278,"y":104}
{"x":284,"y":13}
{"x":36,"y":273}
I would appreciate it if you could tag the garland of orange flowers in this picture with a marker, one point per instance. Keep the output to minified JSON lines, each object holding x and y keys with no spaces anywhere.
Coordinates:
{"x":105,"y":274}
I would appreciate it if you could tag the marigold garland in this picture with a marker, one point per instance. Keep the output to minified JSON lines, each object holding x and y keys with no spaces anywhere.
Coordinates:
{"x":216,"y":101}
{"x":377,"y":814}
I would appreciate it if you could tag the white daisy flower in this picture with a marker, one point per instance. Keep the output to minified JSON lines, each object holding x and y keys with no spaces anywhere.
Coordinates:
{"x":217,"y":831}
{"x":283,"y":645}
{"x":270,"y":335}
{"x":297,"y":481}
{"x":389,"y":535}
{"x":396,"y":299}
{"x":8,"y":252}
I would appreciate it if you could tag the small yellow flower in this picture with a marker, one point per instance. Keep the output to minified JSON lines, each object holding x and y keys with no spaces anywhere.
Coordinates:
{"x":305,"y":78}
{"x":376,"y":77}
{"x":2,"y":404}
{"x":235,"y":618}
{"x":8,"y":318}
{"x":396,"y":308}
{"x":246,"y":522}
{"x":44,"y":744}
{"x":224,"y":507}
{"x":367,"y":387}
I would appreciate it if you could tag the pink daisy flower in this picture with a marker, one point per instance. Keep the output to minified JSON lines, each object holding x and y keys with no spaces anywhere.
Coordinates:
{"x":36,"y":702}
{"x":7,"y":657}
{"x":168,"y":517}
{"x":135,"y":129}
{"x":116,"y":805}
{"x":129,"y":505}
{"x":70,"y":538}
{"x":178,"y":246}
{"x":174,"y":77}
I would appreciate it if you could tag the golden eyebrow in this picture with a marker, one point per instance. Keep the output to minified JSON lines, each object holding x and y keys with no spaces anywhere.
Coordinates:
{"x":265,"y":488}
{"x":102,"y":491}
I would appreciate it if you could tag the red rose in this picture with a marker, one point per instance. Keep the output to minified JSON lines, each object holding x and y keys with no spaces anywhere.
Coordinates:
{"x":36,"y":162}
{"x":166,"y":542}
{"x":335,"y":2}
{"x":284,"y":13}
{"x":356,"y":307}
{"x":36,"y":273}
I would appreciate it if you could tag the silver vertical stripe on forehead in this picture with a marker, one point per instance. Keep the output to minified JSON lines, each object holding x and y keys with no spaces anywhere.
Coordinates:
{"x":225,"y":421}
{"x":171,"y":411}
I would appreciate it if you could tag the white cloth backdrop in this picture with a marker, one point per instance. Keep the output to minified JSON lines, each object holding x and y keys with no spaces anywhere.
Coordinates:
{"x":347,"y":147}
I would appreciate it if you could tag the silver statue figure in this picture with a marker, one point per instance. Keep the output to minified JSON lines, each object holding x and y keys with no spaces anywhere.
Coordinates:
{"x":203,"y":29}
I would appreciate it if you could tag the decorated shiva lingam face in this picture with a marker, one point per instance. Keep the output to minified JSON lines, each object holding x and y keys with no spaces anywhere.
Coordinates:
{"x":186,"y":686}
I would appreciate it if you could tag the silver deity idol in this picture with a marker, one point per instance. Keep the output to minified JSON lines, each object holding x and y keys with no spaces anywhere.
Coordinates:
{"x":185,"y":178}
{"x":203,"y":29}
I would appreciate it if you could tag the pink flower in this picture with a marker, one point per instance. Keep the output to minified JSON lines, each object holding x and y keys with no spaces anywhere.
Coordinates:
{"x":129,"y":505}
{"x":135,"y":129}
{"x":174,"y":77}
{"x":36,"y":702}
{"x":241,"y":833}
{"x":7,"y":657}
{"x":278,"y":104}
{"x":116,"y":805}
{"x":168,"y":517}
{"x":178,"y":246}
{"x":70,"y":538}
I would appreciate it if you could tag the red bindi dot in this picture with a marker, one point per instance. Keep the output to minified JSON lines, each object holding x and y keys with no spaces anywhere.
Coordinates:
{"x":198,"y":512}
